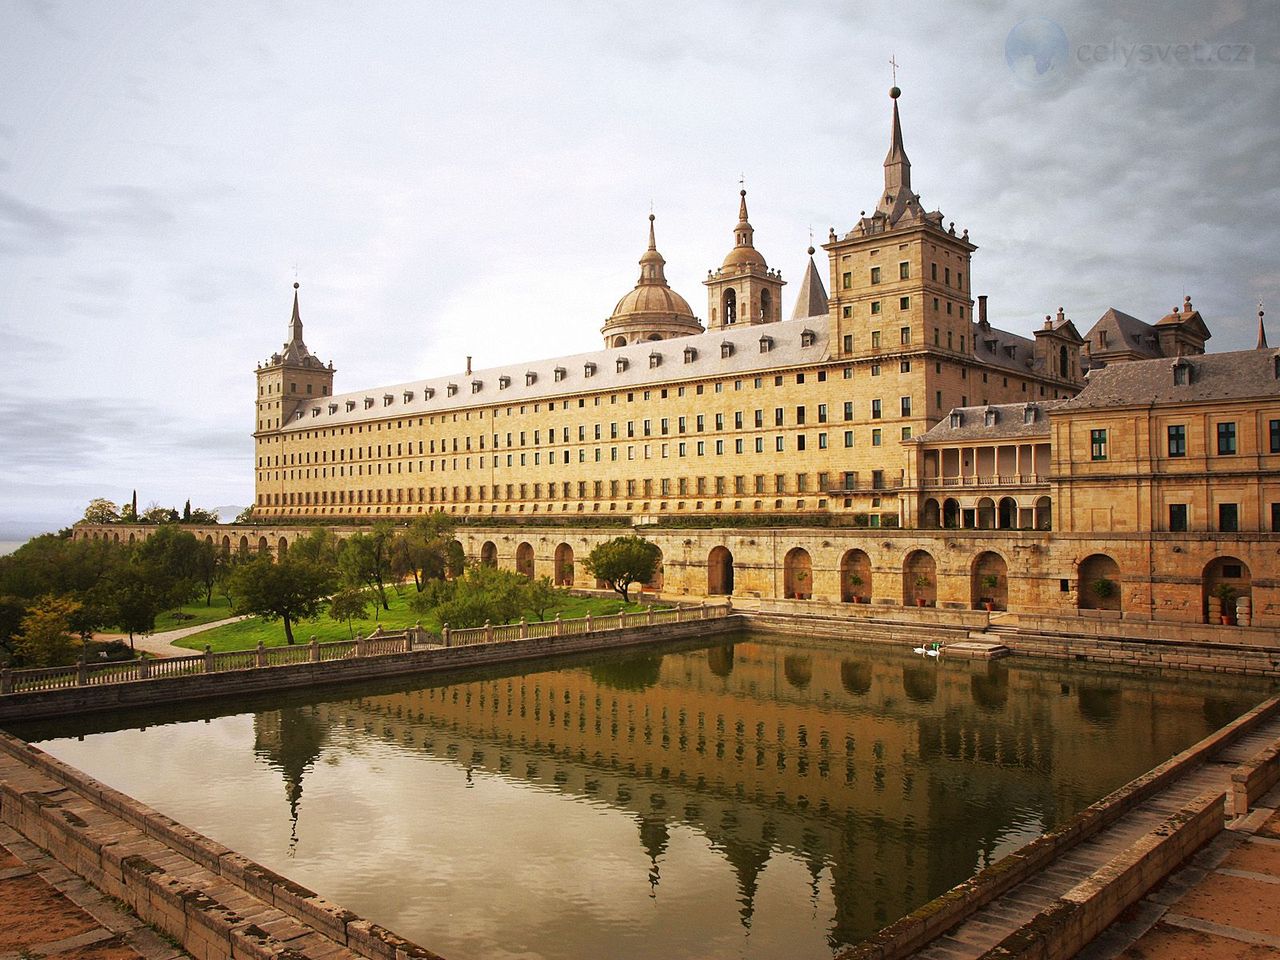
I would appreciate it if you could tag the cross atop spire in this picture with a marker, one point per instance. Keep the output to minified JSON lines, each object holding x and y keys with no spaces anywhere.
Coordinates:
{"x":1262,"y":331}
{"x":893,"y":65}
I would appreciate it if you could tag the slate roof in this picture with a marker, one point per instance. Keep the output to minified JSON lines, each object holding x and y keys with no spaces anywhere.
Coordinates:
{"x":483,"y":387}
{"x":1010,"y":423}
{"x":1124,"y":333}
{"x":1238,"y":375}
{"x":812,"y":298}
{"x":1003,"y":349}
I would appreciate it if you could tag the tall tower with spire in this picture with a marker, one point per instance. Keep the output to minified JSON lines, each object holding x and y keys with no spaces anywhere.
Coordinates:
{"x":743,"y":290}
{"x":652,"y":310}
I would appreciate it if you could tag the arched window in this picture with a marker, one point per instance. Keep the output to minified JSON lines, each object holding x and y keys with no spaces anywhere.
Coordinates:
{"x":766,"y":306}
{"x":1064,"y":363}
{"x":730,"y":306}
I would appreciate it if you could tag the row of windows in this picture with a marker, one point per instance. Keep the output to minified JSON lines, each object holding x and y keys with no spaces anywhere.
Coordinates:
{"x":1228,"y":518}
{"x":1176,"y":440}
{"x":904,"y":273}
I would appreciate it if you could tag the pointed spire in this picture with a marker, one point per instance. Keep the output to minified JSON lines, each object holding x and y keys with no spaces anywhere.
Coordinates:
{"x":743,"y":234}
{"x":652,"y":264}
{"x":897,"y":168}
{"x":653,"y":244}
{"x":295,"y":324}
{"x":811,"y":301}
{"x":1262,"y":330}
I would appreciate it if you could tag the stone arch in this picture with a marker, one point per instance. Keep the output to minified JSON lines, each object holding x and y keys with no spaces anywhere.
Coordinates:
{"x":244,"y":545}
{"x":488,"y":554}
{"x":766,"y":306}
{"x":208,"y":538}
{"x":564,"y":565}
{"x":619,"y":341}
{"x":524,"y":560}
{"x":797,"y":574}
{"x":131,"y":538}
{"x":115,"y":537}
{"x":729,"y":305}
{"x":1044,"y":513}
{"x":1098,"y":585}
{"x":931,"y":514}
{"x":985,"y":514}
{"x":1007,"y":517}
{"x":989,"y":581}
{"x":282,"y":547}
{"x":720,"y":572}
{"x":951,"y":513}
{"x":920,"y":579}
{"x":263,"y":546}
{"x":226,"y":545}
{"x":1227,"y":574}
{"x":855,"y":577}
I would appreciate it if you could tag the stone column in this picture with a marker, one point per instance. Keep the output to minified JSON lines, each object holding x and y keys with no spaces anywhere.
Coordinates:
{"x":444,"y":634}
{"x":144,"y":668}
{"x":559,"y":626}
{"x":82,"y":670}
{"x":208,"y":658}
{"x":261,"y":652}
{"x":315,"y":650}
{"x":524,"y":628}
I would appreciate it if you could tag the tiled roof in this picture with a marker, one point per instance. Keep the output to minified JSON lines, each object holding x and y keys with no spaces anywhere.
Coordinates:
{"x":1009,"y":422}
{"x":1124,"y":333}
{"x":1238,"y":375}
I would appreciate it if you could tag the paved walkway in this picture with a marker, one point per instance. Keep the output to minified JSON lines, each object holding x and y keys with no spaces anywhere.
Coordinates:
{"x":161,"y":644}
{"x":47,"y":911}
{"x":998,"y":919}
{"x":1225,"y":903}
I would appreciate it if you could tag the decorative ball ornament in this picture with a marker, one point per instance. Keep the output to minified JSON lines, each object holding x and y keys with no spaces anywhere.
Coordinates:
{"x":895,"y":93}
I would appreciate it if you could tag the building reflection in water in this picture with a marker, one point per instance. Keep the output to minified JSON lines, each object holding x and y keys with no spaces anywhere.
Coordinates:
{"x":893,"y":775}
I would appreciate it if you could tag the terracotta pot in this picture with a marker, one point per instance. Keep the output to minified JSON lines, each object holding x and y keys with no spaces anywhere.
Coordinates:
{"x":1226,"y":621}
{"x":920,"y":601}
{"x":988,"y":606}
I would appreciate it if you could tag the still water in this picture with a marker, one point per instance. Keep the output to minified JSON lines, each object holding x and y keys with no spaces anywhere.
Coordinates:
{"x":762,"y":798}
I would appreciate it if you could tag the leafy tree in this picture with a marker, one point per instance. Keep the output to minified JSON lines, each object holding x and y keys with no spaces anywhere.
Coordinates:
{"x":173,"y":565}
{"x":426,"y":550}
{"x":540,"y":596}
{"x":12,"y":610}
{"x":202,"y":516}
{"x":101,"y":510}
{"x":226,"y":577}
{"x":158,"y":514}
{"x":186,"y":511}
{"x":45,"y":638}
{"x":290,"y":589}
{"x":138,"y":596}
{"x":245,"y":515}
{"x":480,"y":594}
{"x":366,"y":560}
{"x":207,"y":566}
{"x":349,"y":604}
{"x":623,"y":561}
{"x":319,"y":546}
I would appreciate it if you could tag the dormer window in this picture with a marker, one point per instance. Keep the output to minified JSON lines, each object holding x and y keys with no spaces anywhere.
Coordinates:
{"x":450,"y":389}
{"x":990,"y":345}
{"x":408,"y":396}
{"x":655,"y":360}
{"x":477,"y":386}
{"x":1030,"y":413}
{"x":1102,"y":338}
{"x":530,"y":378}
{"x":989,"y":418}
{"x":690,"y":354}
{"x":808,"y":338}
{"x":588,"y":369}
{"x":504,"y":382}
{"x":333,"y":408}
{"x":300,"y":414}
{"x":428,"y":393}
{"x":387,"y":399}
{"x":559,"y":374}
{"x":1181,"y":373}
{"x":726,"y":350}
{"x":351,"y":405}
{"x":1011,"y":351}
{"x":368,"y":402}
{"x":315,"y":411}
{"x":957,"y":419}
{"x":622,"y":364}
{"x":766,"y":344}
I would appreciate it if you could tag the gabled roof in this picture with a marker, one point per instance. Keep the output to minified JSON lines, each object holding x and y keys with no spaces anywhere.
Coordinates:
{"x":812,"y":299}
{"x":1238,"y":375}
{"x":1010,"y":422}
{"x":1123,"y":334}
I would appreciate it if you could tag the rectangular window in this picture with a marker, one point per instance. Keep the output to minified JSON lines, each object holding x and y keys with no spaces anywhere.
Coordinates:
{"x":800,"y":415}
{"x":875,"y":409}
{"x":906,"y":406}
{"x":848,"y":410}
{"x":759,"y":418}
{"x":904,"y":270}
{"x":759,"y":444}
{"x":904,"y":335}
{"x":875,"y":274}
{"x":800,"y":442}
{"x":846,"y":281}
{"x":1275,"y":518}
{"x":1226,"y":439}
{"x":875,"y":438}
{"x":875,"y":339}
{"x":848,"y":338}
{"x":904,"y":303}
{"x":875,"y":307}
{"x":848,"y":439}
{"x":1177,"y":440}
{"x":777,"y":416}
{"x":778,"y":444}
{"x":822,"y":441}
{"x":1275,"y":436}
{"x":1228,"y":517}
{"x":1178,"y":517}
{"x":1097,"y":444}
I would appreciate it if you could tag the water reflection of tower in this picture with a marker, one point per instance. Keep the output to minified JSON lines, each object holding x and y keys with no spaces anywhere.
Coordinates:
{"x":290,"y":740}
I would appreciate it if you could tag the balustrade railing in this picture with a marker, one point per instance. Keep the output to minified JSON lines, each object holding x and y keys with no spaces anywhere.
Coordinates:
{"x":987,"y":480}
{"x":85,"y":674}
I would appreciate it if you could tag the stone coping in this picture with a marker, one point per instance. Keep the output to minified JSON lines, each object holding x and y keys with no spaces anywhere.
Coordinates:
{"x":903,"y":937}
{"x":1253,"y":778}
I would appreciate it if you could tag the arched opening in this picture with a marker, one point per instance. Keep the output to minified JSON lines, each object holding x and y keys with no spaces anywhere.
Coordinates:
{"x":1098,"y":584}
{"x":655,"y":582}
{"x":1044,"y":514}
{"x":797,"y":574}
{"x":920,"y":579}
{"x":951,"y":513}
{"x":524,"y":560}
{"x":208,"y":538}
{"x":654,"y":336}
{"x":131,"y":538}
{"x":564,"y":565}
{"x":855,"y":677}
{"x":720,"y":660}
{"x":720,"y":572}
{"x":226,"y":546}
{"x":855,"y":577}
{"x":730,"y":306}
{"x":989,"y":582}
{"x":1064,"y":363}
{"x":931,"y":515}
{"x":263,"y":546}
{"x":281,"y":547}
{"x":798,"y":671}
{"x":115,"y":537}
{"x":244,"y":546}
{"x":986,"y":514}
{"x":488,"y":554}
{"x":1224,"y":583}
{"x":766,"y":306}
{"x":1008,"y":517}
{"x":619,"y":341}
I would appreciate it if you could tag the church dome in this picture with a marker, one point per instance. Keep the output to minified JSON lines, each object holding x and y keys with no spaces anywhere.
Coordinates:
{"x":744,"y":253}
{"x":744,"y":256}
{"x":650,"y":298}
{"x":652,"y":310}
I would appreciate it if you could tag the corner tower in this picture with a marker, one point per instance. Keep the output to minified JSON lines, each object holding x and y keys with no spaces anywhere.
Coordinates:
{"x":652,"y":310}
{"x":290,"y":379}
{"x":744,"y":290}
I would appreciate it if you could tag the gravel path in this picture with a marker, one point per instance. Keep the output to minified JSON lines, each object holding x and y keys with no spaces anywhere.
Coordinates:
{"x":161,"y":644}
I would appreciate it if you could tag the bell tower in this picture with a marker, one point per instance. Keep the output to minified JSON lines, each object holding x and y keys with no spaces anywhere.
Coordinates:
{"x":744,"y":290}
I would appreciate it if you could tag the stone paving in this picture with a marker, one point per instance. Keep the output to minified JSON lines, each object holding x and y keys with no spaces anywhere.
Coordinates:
{"x":47,"y":911}
{"x":1224,"y":904}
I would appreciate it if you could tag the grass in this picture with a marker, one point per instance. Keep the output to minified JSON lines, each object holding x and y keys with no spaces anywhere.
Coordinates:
{"x":245,"y":634}
{"x":189,"y":615}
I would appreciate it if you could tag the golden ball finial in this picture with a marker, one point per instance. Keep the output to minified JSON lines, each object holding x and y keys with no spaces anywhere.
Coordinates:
{"x":894,"y":93}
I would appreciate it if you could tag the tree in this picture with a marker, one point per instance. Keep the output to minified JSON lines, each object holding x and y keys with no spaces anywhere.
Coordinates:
{"x":245,"y":515}
{"x":158,"y":514}
{"x":540,"y":596}
{"x":349,"y":604}
{"x":202,"y":516}
{"x":623,"y":561}
{"x":186,"y":511}
{"x":480,"y":594}
{"x":289,"y":589}
{"x":138,"y":596}
{"x":319,"y":546}
{"x":45,"y":638}
{"x":207,"y":566}
{"x":366,"y":560}
{"x":12,"y":611}
{"x":426,"y":550}
{"x":171,"y":558}
{"x":101,"y":510}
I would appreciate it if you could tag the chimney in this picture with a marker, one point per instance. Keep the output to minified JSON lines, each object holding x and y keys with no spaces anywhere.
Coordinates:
{"x":468,"y":366}
{"x":982,"y":309}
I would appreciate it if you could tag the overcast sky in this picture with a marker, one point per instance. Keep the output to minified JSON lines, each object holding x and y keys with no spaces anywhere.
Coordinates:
{"x":474,"y":178}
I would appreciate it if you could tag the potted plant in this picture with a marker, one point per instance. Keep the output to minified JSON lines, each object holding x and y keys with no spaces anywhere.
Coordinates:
{"x":855,"y":582}
{"x":1227,"y":595}
{"x":1103,"y":588}
{"x":990,"y":582}
{"x":922,"y":583}
{"x":802,"y":577}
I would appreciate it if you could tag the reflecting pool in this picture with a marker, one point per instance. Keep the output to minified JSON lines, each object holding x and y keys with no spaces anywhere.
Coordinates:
{"x":757,"y":798}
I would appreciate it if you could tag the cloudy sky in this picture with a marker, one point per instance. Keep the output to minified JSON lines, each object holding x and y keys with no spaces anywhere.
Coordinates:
{"x":474,"y":178}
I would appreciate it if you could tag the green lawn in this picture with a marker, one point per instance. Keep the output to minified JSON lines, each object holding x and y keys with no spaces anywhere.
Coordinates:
{"x":190,"y":615}
{"x":245,"y":634}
